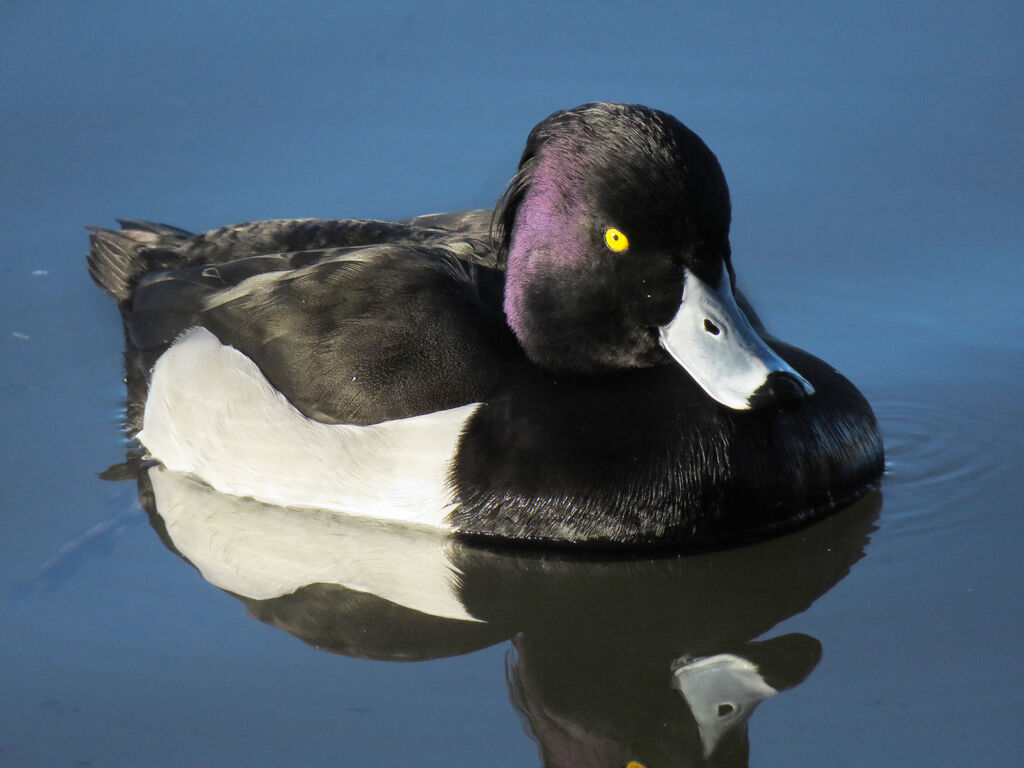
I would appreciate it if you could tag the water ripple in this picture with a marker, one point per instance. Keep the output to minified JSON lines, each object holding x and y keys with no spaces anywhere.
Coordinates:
{"x":946,"y":461}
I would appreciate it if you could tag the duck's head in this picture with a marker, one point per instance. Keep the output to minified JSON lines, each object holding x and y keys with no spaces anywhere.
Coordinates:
{"x":616,"y":230}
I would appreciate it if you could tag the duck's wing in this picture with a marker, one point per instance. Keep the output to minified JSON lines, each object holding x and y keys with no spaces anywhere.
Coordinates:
{"x":273,"y":236}
{"x":118,"y":259}
{"x":474,"y":223}
{"x":348,"y":335}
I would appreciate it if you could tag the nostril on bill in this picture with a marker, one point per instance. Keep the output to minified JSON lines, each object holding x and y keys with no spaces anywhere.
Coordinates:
{"x":711,"y":327}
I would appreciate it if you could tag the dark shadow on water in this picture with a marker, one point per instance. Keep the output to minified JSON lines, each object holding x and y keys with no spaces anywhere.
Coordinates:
{"x":654,"y":659}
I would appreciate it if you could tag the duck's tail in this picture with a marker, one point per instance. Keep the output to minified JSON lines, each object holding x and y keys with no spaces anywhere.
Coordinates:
{"x":117,"y":259}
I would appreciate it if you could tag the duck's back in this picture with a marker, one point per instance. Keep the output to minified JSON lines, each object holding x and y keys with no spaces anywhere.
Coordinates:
{"x":334,"y":313}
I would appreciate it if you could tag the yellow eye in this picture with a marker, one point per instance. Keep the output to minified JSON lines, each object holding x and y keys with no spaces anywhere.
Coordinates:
{"x":615,"y":240}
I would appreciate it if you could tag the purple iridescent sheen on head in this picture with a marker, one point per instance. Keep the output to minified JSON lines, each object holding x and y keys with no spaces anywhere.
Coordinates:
{"x":576,"y":305}
{"x":546,"y":234}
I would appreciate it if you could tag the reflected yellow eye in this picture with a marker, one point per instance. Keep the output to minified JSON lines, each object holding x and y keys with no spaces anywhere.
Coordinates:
{"x":615,"y":240}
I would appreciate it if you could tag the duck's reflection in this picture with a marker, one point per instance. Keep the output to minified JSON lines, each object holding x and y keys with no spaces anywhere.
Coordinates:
{"x":652,"y":661}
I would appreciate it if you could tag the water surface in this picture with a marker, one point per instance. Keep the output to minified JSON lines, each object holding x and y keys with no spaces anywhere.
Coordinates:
{"x":873,"y":154}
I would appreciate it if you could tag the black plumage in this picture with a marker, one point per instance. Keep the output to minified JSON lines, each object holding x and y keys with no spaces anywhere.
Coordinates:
{"x":588,"y":431}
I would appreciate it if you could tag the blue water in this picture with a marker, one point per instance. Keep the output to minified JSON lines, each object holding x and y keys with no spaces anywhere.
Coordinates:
{"x":874,"y":158}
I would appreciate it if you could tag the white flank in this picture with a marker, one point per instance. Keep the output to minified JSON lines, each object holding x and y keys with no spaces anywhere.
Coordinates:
{"x":212,"y":413}
{"x":260,"y":551}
